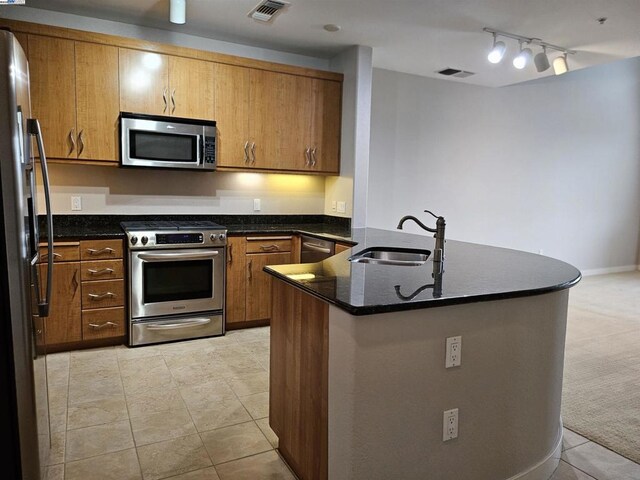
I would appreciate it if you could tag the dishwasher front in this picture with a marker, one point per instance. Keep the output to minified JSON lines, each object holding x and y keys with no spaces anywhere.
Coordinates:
{"x":315,"y":250}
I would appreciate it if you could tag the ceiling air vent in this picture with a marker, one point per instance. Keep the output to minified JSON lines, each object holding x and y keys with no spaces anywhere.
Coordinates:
{"x":454,"y":72}
{"x":267,"y":10}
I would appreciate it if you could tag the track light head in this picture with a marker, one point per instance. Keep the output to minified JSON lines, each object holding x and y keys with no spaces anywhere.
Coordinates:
{"x":541,"y":60}
{"x":497,"y":51}
{"x":523,"y":58}
{"x":560,"y":64}
{"x":178,"y":11}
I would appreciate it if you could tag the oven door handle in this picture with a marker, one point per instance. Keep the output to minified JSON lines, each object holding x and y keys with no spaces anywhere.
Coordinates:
{"x":195,"y":322}
{"x":169,"y":257}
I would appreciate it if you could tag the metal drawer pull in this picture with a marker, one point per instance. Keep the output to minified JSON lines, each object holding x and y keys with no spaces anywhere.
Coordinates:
{"x":46,"y":255}
{"x":104,"y":271}
{"x":167,"y":257}
{"x":316,"y":248}
{"x":93,"y":251}
{"x":270,"y":247}
{"x":96,"y":297}
{"x":268,"y":239}
{"x":104,"y":325}
{"x":196,"y":322}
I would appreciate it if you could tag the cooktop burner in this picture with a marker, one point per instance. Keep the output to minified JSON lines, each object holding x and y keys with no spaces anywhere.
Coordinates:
{"x":170,"y":225}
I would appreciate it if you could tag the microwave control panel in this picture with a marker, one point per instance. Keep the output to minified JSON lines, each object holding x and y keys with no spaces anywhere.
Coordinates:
{"x":209,"y":150}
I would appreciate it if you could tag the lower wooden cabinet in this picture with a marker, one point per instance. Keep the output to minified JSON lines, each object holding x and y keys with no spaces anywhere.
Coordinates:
{"x":88,"y":296}
{"x":248,"y":297}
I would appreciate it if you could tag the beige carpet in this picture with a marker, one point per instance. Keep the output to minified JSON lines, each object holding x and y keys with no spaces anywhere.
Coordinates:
{"x":601,"y":395}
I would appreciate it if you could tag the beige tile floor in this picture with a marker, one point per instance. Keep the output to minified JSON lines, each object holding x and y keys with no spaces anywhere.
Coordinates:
{"x":198,"y":410}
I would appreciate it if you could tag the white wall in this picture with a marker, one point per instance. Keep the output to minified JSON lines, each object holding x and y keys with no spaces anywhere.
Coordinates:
{"x":109,"y":190}
{"x":551,"y":165}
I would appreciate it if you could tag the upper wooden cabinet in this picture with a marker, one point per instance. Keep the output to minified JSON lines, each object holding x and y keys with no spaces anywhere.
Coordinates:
{"x":159,"y":84}
{"x":73,"y":85}
{"x":277,"y":121}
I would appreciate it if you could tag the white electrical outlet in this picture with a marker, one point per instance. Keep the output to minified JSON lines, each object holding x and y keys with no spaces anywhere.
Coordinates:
{"x":342,"y":207}
{"x":453,"y":357}
{"x":333,"y":205}
{"x":256,"y":204}
{"x":76,"y":203}
{"x":450,"y":425}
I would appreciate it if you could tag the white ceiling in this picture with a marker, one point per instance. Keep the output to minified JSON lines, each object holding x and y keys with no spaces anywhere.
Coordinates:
{"x":413,"y":36}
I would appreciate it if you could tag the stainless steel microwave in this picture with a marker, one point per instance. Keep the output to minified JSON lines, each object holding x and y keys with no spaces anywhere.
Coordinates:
{"x":167,"y":142}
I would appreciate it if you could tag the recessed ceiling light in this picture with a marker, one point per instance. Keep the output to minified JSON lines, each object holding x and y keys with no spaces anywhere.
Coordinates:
{"x":330,"y":27}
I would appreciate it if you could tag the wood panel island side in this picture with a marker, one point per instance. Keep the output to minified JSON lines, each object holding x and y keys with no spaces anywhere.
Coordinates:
{"x":358,"y":384}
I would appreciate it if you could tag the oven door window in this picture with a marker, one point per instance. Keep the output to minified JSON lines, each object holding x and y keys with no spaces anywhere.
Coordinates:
{"x":176,"y":281}
{"x":163,"y":147}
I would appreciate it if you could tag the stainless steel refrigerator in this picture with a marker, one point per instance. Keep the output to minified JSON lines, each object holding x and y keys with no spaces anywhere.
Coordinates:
{"x":24,"y":411}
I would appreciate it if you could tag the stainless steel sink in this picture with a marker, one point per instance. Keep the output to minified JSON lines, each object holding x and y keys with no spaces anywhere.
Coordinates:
{"x":407,"y":257}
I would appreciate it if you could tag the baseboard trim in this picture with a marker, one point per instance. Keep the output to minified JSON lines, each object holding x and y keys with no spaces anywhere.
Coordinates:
{"x":604,"y":271}
{"x":545,"y":468}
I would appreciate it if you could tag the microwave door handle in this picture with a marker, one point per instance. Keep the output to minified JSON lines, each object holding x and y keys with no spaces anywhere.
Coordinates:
{"x":170,"y":257}
{"x":33,"y":128}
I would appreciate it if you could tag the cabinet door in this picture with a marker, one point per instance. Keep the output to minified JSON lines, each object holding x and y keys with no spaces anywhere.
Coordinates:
{"x":236,"y":280}
{"x":63,"y":325}
{"x":232,"y":115}
{"x":144,"y":82}
{"x":326,"y":126}
{"x":280,"y":120}
{"x":97,"y":101}
{"x":259,"y":284}
{"x":53,"y":93}
{"x":192,"y":86}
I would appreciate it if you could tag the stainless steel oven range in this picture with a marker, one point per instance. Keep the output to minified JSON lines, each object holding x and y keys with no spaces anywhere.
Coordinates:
{"x":176,"y":280}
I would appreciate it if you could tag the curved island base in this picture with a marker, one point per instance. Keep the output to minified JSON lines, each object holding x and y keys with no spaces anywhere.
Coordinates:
{"x":362,"y":397}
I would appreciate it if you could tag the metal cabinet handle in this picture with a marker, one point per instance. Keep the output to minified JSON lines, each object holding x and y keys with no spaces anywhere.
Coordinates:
{"x":269,"y":248}
{"x":80,"y":142}
{"x":72,"y":140}
{"x":253,"y":153}
{"x":246,"y":151}
{"x":103,"y":325}
{"x":173,"y":101}
{"x":97,"y":297}
{"x":307,"y":156}
{"x":93,"y":251}
{"x":313,"y":156}
{"x":104,"y":271}
{"x":230,"y":254}
{"x":250,"y":270}
{"x":46,"y":255}
{"x":164,"y":99}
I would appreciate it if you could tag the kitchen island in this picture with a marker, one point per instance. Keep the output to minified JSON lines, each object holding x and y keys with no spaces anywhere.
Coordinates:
{"x":358,"y":379}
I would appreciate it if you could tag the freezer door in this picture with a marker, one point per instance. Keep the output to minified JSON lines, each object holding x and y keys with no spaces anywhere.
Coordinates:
{"x":23,"y":333}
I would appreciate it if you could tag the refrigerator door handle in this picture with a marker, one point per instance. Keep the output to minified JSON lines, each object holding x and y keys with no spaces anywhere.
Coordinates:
{"x":33,"y":128}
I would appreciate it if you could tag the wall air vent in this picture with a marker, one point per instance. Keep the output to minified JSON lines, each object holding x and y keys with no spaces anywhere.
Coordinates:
{"x":455,"y":72}
{"x":267,"y":10}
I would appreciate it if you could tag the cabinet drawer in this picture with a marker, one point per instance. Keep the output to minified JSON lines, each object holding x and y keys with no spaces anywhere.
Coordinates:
{"x":62,"y":252}
{"x":269,"y":244}
{"x":108,"y":293}
{"x":100,"y":249}
{"x":102,"y":270}
{"x":103,"y":323}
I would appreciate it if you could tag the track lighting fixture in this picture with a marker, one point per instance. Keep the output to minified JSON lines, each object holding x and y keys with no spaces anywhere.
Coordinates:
{"x":178,"y":11}
{"x":541,"y":60}
{"x":497,"y":51}
{"x":524,"y":56}
{"x":560,"y":65}
{"x":522,"y":59}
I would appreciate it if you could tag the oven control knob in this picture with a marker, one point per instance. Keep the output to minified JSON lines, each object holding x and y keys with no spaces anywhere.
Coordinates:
{"x":134,"y":240}
{"x":144,"y":240}
{"x":221,"y":237}
{"x":212,"y":237}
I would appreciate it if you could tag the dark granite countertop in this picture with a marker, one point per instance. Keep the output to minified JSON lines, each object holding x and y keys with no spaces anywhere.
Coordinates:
{"x":78,"y":227}
{"x":472,"y":273}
